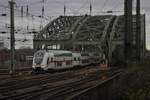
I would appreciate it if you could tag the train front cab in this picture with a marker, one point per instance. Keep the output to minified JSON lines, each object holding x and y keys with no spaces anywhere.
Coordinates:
{"x":39,"y":63}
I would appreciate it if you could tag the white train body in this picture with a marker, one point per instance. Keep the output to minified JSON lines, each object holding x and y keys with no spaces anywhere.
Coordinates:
{"x":95,"y":58}
{"x":85,"y":59}
{"x":60,"y":59}
{"x":76,"y":59}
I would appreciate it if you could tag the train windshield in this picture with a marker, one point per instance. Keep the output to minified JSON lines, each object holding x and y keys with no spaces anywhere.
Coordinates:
{"x":38,"y":57}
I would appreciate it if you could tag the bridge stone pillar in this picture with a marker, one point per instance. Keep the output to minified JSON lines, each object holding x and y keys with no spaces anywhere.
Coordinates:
{"x":128,"y":42}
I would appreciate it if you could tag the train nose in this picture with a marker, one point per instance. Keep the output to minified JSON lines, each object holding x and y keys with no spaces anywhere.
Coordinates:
{"x":39,"y":69}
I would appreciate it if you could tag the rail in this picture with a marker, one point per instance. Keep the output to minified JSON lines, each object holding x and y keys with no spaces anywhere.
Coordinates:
{"x":72,"y":97}
{"x":52,"y":86}
{"x":6,"y":71}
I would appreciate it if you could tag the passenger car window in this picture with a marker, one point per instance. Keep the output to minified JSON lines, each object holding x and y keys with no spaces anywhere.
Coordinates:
{"x":51,"y":59}
{"x":47,"y":61}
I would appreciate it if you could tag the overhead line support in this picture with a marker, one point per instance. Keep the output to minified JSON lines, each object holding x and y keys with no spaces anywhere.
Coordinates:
{"x":12,"y":41}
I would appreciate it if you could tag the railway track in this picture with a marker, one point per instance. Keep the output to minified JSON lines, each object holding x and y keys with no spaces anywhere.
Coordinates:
{"x":80,"y":86}
{"x":11,"y":82}
{"x":52,"y":86}
{"x":4,"y":73}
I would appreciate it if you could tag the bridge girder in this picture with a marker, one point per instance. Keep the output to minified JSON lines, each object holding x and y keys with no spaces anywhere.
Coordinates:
{"x":73,"y":29}
{"x":85,"y":33}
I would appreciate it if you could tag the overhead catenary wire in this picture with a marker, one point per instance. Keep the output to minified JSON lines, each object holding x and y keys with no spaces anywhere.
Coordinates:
{"x":17,"y":9}
{"x":17,"y":18}
{"x":33,"y":3}
{"x":105,"y":3}
{"x":117,"y":4}
{"x":112,"y":10}
{"x":77,"y":11}
{"x":42,"y":13}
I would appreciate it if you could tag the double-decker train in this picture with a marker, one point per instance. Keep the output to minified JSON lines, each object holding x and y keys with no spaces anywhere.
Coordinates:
{"x":44,"y":60}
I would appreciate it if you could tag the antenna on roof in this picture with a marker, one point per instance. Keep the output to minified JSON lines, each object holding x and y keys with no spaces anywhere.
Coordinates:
{"x":64,"y":9}
{"x":90,"y":8}
{"x":43,"y":9}
{"x":27,"y":10}
{"x":21,"y":11}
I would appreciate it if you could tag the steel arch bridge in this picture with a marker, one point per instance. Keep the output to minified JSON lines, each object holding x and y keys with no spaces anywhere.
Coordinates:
{"x":84,"y":33}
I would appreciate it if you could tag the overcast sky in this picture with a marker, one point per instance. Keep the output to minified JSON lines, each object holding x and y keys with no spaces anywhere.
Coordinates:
{"x":54,"y":8}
